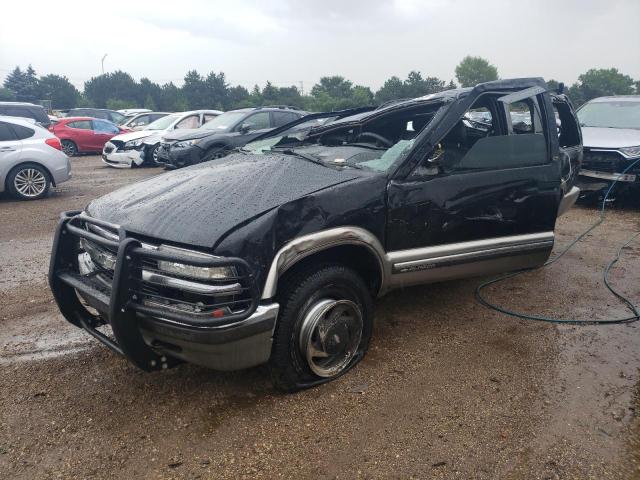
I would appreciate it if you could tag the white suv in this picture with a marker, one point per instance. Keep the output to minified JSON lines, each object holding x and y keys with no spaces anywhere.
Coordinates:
{"x":31,"y":159}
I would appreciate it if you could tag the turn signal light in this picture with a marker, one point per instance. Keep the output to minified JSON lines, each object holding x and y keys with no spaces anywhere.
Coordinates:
{"x":54,"y":143}
{"x":218,"y":313}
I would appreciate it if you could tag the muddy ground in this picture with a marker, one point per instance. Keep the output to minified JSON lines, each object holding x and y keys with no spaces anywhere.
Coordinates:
{"x":449,"y":389}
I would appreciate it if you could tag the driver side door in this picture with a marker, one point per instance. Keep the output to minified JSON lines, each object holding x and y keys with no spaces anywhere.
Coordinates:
{"x":484,"y":200}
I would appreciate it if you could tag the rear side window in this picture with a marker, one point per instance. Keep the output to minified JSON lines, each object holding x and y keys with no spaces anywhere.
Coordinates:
{"x":258,"y":121}
{"x":23,"y":133}
{"x":282,"y":118}
{"x":6,"y":132}
{"x":80,"y":124}
{"x":209,"y":116}
{"x":191,"y":121}
{"x":101,"y":126}
{"x":142,"y":120}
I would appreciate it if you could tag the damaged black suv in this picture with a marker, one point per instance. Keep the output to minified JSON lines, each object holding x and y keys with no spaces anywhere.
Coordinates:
{"x":275,"y":253}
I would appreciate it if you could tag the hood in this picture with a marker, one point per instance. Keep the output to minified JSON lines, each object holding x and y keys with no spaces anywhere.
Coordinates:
{"x":597,"y":137}
{"x":127,"y":137}
{"x":188,"y":134}
{"x":198,"y":205}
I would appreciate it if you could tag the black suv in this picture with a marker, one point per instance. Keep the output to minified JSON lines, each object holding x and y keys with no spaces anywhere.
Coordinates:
{"x":26,"y":110}
{"x":225,"y":132}
{"x":103,"y":113}
{"x":276,"y":252}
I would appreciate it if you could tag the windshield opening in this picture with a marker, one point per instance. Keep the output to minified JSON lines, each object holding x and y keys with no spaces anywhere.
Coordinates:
{"x":612,"y":114}
{"x":224,"y":122}
{"x":163,"y":123}
{"x":375,"y":144}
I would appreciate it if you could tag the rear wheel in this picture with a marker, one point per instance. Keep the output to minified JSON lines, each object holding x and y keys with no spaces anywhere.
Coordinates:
{"x":28,"y":182}
{"x":324,"y":326}
{"x":69,"y":148}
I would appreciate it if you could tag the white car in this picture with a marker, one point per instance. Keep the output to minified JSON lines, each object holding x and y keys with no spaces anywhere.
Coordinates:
{"x":140,"y":121}
{"x":127,"y":112}
{"x":31,"y":159}
{"x":611,"y":138}
{"x":134,"y":149}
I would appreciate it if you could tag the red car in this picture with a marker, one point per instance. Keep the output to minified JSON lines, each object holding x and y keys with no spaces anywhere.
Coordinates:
{"x":84,"y":134}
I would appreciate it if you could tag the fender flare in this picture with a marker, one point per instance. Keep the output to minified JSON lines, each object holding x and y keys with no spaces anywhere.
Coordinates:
{"x":315,"y":242}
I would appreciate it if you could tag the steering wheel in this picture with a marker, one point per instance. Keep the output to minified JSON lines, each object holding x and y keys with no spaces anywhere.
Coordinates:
{"x":385,"y":141}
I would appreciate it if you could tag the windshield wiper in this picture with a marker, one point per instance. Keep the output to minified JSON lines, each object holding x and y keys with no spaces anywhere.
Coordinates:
{"x":306,"y":156}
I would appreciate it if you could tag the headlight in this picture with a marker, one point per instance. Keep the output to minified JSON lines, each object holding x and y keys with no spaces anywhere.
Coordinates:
{"x":630,"y":152}
{"x":134,"y":143}
{"x":186,"y":143}
{"x":202,"y":273}
{"x":100,"y":257}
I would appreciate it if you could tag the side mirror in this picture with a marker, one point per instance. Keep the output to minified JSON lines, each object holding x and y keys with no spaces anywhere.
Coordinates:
{"x":245,"y":127}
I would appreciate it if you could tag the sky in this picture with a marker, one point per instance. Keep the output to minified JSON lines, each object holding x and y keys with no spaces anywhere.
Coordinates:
{"x":295,"y":42}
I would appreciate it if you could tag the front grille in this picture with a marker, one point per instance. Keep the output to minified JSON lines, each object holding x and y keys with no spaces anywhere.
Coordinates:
{"x":151,"y":293}
{"x":119,"y":144}
{"x":609,"y":162}
{"x":108,"y":148}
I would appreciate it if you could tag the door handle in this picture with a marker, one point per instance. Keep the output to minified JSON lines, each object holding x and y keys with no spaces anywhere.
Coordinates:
{"x":7,"y":149}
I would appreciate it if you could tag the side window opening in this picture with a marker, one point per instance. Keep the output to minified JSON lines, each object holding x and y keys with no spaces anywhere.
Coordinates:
{"x":525,"y":117}
{"x":568,"y":133}
{"x":491,"y":135}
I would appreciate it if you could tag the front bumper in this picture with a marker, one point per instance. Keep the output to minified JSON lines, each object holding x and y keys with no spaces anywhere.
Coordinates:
{"x":620,"y":177}
{"x":173,"y":158}
{"x":113,"y":157}
{"x":152,"y":336}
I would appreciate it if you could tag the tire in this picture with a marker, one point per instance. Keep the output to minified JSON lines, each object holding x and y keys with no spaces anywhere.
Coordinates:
{"x":216,"y":151}
{"x":311,"y":301}
{"x":153,"y":156}
{"x":28,"y":181}
{"x":69,"y":148}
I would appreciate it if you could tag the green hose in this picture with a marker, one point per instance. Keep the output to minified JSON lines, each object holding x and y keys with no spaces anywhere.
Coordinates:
{"x":540,"y":318}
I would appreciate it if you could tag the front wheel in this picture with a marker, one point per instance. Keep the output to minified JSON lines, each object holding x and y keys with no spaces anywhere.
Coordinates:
{"x":217,"y":151}
{"x":324,"y":327}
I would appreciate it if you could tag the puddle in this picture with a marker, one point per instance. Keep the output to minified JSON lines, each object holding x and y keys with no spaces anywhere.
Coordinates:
{"x":40,"y":338}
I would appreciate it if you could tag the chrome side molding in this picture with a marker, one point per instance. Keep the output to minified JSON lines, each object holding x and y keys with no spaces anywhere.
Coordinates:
{"x":419,"y":265}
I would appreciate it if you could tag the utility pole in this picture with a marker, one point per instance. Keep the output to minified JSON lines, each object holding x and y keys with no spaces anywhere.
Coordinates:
{"x":105,"y":56}
{"x":301,"y":88}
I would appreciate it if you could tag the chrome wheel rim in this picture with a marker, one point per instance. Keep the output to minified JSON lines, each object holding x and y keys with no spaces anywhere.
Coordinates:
{"x":68,"y":149}
{"x":30,"y":182}
{"x":330,"y":336}
{"x":154,"y":154}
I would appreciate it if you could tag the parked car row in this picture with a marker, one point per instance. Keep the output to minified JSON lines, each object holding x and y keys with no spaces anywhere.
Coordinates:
{"x":174,"y":140}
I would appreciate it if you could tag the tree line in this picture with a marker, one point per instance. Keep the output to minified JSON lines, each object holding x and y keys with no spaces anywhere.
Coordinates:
{"x":117,"y":90}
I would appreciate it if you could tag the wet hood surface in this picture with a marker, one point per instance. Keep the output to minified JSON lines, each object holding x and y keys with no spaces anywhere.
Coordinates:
{"x":597,"y":137}
{"x":198,"y":205}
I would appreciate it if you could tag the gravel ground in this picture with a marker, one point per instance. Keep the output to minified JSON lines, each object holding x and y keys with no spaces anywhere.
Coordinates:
{"x":449,"y":389}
